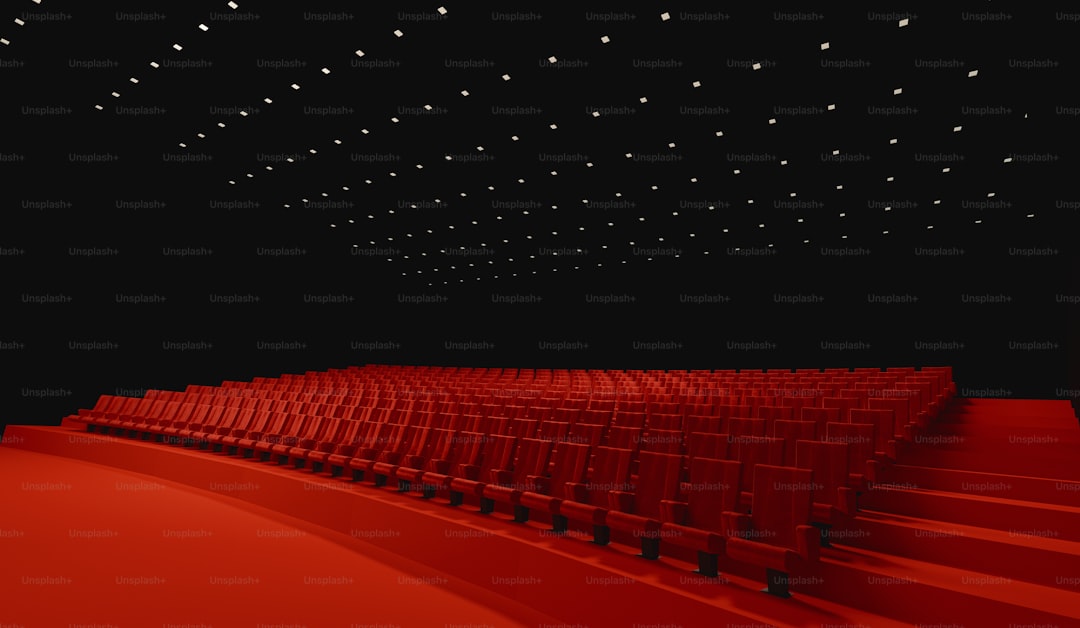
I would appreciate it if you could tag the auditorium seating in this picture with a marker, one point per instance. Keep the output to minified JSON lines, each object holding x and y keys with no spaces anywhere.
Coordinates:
{"x":777,"y":534}
{"x":743,"y":466}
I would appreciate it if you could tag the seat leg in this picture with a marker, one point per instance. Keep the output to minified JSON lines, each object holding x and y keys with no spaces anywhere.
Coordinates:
{"x":601,"y":534}
{"x":357,"y":475}
{"x":487,"y":505}
{"x":824,"y":528}
{"x":521,"y":513}
{"x":778,"y":583}
{"x":559,"y":523}
{"x":316,"y":467}
{"x":403,"y":486}
{"x":708,"y":564}
{"x":650,"y":548}
{"x":380,"y":479}
{"x":457,"y":498}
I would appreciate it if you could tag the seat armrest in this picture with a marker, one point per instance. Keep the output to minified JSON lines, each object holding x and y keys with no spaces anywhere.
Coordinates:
{"x":808,"y":542}
{"x":736,"y":524}
{"x":672,"y":511}
{"x":622,"y":501}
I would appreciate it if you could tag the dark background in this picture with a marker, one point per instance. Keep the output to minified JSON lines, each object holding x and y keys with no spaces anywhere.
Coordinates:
{"x":95,"y":204}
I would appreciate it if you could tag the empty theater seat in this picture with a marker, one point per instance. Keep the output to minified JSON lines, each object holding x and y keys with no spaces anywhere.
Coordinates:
{"x":588,"y":502}
{"x":507,"y":485}
{"x":777,"y":534}
{"x":697,"y":522}
{"x":833,"y":498}
{"x":569,"y":465}
{"x":637,"y":512}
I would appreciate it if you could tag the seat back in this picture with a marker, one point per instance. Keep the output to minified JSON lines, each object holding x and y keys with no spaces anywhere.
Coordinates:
{"x":659,"y":477}
{"x":829,"y":462}
{"x":713,"y":489}
{"x":792,"y":431}
{"x":782,"y":501}
{"x":706,"y":445}
{"x":610,"y":471}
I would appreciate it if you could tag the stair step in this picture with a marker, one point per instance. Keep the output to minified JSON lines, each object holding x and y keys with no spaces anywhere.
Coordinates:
{"x":1020,"y":517}
{"x":1039,"y":560}
{"x":1022,"y":488}
{"x":932,"y":594}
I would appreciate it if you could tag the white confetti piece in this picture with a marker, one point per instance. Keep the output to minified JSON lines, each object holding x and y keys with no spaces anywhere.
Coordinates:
{"x":244,"y":113}
{"x":898,"y":91}
{"x":756,"y":66}
{"x":552,"y":59}
{"x":643,"y":100}
{"x":665,"y":16}
{"x":177,"y":47}
{"x":772,"y":120}
{"x":973,"y":73}
{"x":99,"y":107}
{"x":596,"y":114}
{"x":831,"y":107}
{"x":893,"y":140}
{"x":359,"y":53}
{"x":295,"y":86}
{"x":19,"y":22}
{"x":233,"y":5}
{"x":204,"y":27}
{"x":719,"y":134}
{"x":903,"y":23}
{"x":398,"y":33}
{"x":464,"y":92}
{"x":268,"y":101}
{"x":441,"y":10}
{"x":946,"y":170}
{"x":325,"y":70}
{"x":956,"y":129}
{"x":825,"y":45}
{"x":696,"y":83}
{"x":155,"y":65}
{"x":115,"y":94}
{"x":5,"y":41}
{"x":506,"y":77}
{"x":134,"y":80}
{"x":1008,"y":159}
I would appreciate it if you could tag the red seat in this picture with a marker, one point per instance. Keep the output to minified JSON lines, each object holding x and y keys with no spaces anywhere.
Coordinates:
{"x":439,"y":447}
{"x":591,"y":434}
{"x":637,"y":512}
{"x":884,"y":422}
{"x":465,"y":450}
{"x":833,"y":499}
{"x":509,"y":484}
{"x":305,"y":427}
{"x":706,"y":445}
{"x":338,"y":456}
{"x":411,"y":453}
{"x":859,"y":438}
{"x":569,"y":464}
{"x":752,"y":451}
{"x":704,"y":423}
{"x":391,"y":441}
{"x":821,"y":416}
{"x":843,"y":404}
{"x":663,"y":441}
{"x":697,"y":522}
{"x":554,"y":431}
{"x":746,"y":427}
{"x":777,"y":534}
{"x":792,"y":431}
{"x":588,"y":502}
{"x":498,"y":453}
{"x":335,"y":434}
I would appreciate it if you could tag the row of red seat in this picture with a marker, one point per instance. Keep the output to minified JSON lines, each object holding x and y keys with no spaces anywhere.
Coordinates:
{"x":689,"y":479}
